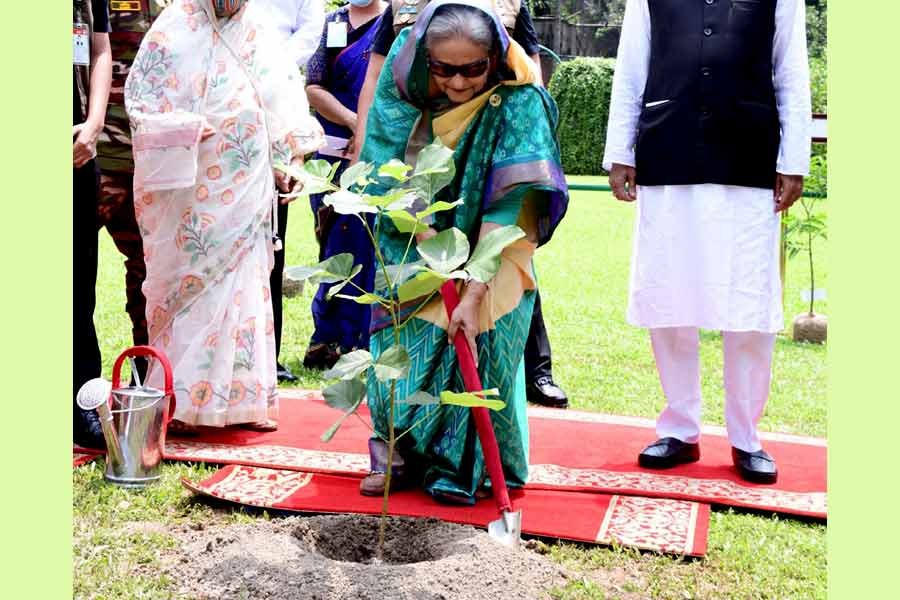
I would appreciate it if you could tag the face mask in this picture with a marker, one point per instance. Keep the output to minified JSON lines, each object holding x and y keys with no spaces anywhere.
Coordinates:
{"x":361,"y":3}
{"x":226,"y":8}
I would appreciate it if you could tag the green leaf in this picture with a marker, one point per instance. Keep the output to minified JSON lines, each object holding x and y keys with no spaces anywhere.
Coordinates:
{"x":356,"y":175}
{"x":445,"y":251}
{"x":422,"y":284}
{"x":438,"y":206}
{"x":348,"y":203}
{"x":393,"y":363}
{"x":405,"y":222}
{"x":485,"y":398}
{"x":420,"y":398}
{"x":345,"y":395}
{"x":329,"y":433}
{"x":434,"y":158}
{"x":398,"y":273}
{"x":394,"y":168}
{"x":350,"y":365}
{"x":339,"y":286}
{"x":394,"y":200}
{"x":366,"y":298}
{"x":330,"y":270}
{"x":485,"y":260}
{"x":320,"y":168}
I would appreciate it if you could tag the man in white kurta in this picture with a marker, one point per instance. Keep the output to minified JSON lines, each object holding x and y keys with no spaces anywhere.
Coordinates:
{"x":706,"y":249}
{"x":298,"y":25}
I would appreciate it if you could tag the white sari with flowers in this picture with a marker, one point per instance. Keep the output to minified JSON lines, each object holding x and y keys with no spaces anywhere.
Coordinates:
{"x":205,"y":207}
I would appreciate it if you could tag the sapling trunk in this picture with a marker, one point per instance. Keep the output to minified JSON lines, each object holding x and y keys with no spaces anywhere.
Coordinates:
{"x":812,"y":280}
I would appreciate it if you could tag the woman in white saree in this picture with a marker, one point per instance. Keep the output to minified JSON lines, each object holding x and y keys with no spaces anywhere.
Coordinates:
{"x":212,"y":107}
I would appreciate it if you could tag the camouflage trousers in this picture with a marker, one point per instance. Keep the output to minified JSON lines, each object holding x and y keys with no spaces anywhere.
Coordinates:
{"x":115,"y":212}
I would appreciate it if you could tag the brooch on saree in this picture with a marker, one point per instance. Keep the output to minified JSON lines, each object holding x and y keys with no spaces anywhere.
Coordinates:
{"x":495,"y":100}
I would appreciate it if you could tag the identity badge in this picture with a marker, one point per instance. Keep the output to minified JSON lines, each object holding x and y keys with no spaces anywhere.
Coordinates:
{"x":337,"y":35}
{"x":81,"y":44}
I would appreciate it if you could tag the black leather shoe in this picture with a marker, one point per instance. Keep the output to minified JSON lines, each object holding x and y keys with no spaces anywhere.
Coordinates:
{"x":284,"y":374}
{"x":321,"y":356}
{"x":87,"y":431}
{"x":755,"y":467}
{"x":546,"y":393}
{"x":668,"y":452}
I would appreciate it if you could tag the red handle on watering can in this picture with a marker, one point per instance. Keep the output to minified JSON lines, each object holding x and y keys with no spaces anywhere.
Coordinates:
{"x":139,"y":351}
{"x":482,"y":415}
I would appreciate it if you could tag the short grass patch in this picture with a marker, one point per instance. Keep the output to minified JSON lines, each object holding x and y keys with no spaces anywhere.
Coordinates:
{"x":602,"y":363}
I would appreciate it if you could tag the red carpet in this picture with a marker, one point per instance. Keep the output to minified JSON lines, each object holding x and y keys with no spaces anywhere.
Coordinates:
{"x":570,"y":450}
{"x":81,"y":456}
{"x":671,"y":526}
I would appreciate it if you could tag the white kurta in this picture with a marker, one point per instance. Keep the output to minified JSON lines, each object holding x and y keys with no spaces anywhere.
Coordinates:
{"x":706,"y":255}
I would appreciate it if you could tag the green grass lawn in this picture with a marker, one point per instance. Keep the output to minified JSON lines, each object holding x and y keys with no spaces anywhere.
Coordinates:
{"x":602,"y":363}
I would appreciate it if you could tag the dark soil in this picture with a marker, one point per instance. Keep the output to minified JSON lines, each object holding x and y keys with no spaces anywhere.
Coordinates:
{"x":333,"y":557}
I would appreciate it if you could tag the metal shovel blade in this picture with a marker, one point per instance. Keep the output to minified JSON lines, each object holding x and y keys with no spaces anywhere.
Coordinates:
{"x":507,"y":529}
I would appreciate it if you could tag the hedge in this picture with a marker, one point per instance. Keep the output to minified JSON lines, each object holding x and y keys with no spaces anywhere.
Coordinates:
{"x":581,"y":88}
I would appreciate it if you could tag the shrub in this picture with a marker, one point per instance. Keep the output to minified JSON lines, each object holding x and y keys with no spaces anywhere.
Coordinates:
{"x":581,"y":88}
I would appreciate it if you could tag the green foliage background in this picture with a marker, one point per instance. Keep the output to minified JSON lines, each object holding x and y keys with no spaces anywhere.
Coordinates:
{"x":581,"y":88}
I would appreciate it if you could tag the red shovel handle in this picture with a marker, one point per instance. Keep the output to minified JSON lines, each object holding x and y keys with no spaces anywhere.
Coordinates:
{"x":138,"y":351}
{"x":482,"y":415}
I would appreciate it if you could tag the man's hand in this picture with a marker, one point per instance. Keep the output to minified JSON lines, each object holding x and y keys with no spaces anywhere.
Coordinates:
{"x":85,"y":146}
{"x":622,"y":182}
{"x":788,"y":188}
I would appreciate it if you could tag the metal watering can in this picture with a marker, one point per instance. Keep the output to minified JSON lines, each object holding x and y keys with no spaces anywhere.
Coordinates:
{"x":134,"y":420}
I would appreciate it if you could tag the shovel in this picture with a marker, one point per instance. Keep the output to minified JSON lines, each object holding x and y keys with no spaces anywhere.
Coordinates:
{"x":508,"y":528}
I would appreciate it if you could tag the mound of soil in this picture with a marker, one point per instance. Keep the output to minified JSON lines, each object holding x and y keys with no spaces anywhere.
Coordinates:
{"x":333,"y":557}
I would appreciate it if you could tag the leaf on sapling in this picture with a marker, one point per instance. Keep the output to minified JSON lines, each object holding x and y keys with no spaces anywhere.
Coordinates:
{"x":420,"y":398}
{"x":405,"y":222}
{"x":330,"y":270}
{"x":485,"y":260}
{"x":394,"y":168}
{"x":422,"y":284}
{"x":357,"y":400}
{"x":393,"y":363}
{"x":435,"y":169}
{"x":366,"y":298}
{"x":356,"y":175}
{"x":348,"y":203}
{"x":333,"y":290}
{"x":345,"y":394}
{"x":350,"y":365}
{"x":395,"y":199}
{"x":445,"y":251}
{"x":438,"y":206}
{"x":484,"y":398}
{"x":397,"y":273}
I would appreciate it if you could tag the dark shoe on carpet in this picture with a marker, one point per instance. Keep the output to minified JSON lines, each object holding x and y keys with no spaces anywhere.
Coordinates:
{"x":263,"y":426}
{"x":755,"y":467}
{"x":87,"y":431}
{"x":321,"y":356}
{"x":668,"y":452}
{"x":284,"y":374}
{"x":546,"y":393}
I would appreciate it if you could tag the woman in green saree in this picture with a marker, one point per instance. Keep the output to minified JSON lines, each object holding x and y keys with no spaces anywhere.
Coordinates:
{"x":457,"y":76}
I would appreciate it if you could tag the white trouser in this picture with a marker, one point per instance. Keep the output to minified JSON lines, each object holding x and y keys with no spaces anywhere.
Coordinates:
{"x":747,"y":373}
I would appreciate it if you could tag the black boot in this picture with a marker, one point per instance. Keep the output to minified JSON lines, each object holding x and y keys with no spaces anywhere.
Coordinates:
{"x":86,"y":430}
{"x":540,"y":388}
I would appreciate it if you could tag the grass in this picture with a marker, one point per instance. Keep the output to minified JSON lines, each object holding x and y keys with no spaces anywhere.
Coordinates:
{"x":603,"y":364}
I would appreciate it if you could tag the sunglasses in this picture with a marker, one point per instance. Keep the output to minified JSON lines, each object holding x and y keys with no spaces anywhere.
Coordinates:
{"x":472,"y":69}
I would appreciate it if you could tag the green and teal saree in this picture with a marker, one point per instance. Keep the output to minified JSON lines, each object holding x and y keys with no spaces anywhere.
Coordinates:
{"x":507,"y":172}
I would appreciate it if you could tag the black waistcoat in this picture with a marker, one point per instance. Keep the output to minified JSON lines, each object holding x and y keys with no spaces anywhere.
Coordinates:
{"x":712,"y":116}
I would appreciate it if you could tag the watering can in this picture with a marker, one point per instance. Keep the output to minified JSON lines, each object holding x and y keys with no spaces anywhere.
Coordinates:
{"x":133,"y":419}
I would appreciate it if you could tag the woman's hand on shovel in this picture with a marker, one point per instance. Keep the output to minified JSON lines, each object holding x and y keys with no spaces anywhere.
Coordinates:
{"x":465,"y":316}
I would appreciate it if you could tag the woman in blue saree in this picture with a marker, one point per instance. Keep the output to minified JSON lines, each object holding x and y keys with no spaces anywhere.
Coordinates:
{"x":334,"y":78}
{"x":456,"y":75}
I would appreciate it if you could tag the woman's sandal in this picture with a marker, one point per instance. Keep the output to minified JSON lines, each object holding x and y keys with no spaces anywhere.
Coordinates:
{"x":373,"y":484}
